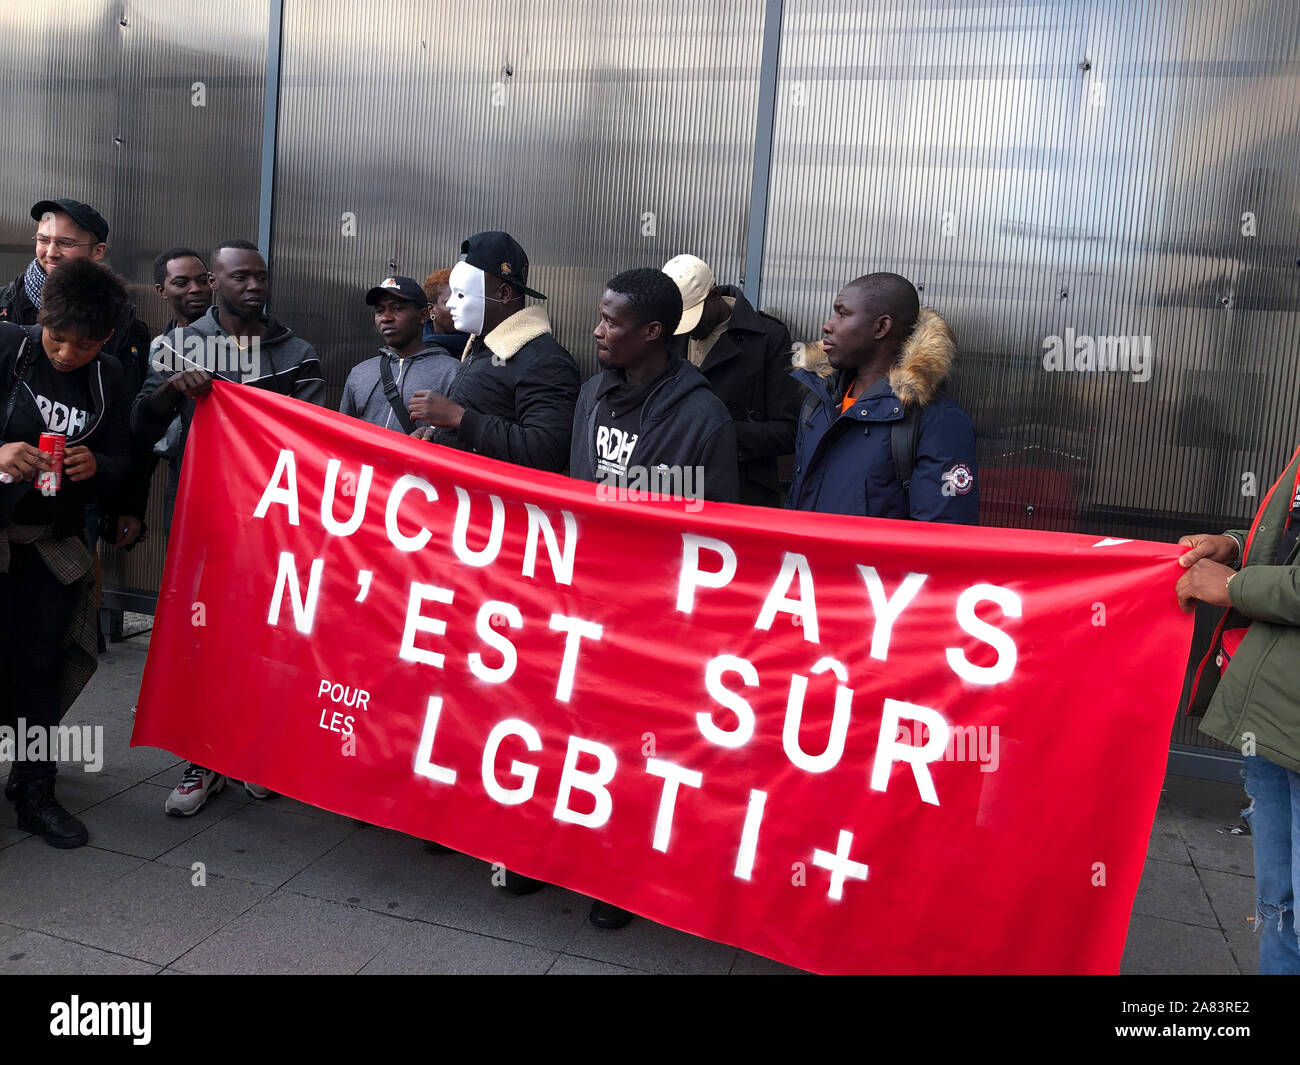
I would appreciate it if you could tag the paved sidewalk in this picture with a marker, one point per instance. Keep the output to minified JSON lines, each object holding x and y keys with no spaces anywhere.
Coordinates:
{"x":293,"y":889}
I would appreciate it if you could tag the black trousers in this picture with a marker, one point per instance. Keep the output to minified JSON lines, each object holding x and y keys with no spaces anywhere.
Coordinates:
{"x":35,"y":611}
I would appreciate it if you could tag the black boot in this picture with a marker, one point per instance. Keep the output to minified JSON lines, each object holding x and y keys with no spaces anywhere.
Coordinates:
{"x":603,"y":915}
{"x":40,"y":813}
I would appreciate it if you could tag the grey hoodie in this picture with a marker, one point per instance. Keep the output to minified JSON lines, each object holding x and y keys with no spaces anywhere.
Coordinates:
{"x":432,"y":367}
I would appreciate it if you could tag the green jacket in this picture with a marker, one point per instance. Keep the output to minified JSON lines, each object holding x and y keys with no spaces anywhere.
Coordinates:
{"x":1255,"y":706}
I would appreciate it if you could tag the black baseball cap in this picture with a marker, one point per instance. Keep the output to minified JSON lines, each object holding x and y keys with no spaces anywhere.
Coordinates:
{"x":82,"y":213}
{"x":404,"y":288}
{"x":500,"y":255}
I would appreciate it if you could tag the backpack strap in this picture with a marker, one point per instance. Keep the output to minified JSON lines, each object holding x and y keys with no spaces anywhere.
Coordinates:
{"x":394,"y":397}
{"x":23,"y":363}
{"x":903,"y":437}
{"x":809,"y":408}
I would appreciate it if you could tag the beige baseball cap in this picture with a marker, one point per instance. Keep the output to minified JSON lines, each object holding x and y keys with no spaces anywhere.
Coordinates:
{"x":695,"y":280}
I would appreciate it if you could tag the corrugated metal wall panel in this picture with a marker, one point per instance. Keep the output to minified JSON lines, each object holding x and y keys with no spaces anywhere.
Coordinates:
{"x":1078,"y":165}
{"x":101,"y":100}
{"x":1060,"y":166}
{"x":563,"y":124}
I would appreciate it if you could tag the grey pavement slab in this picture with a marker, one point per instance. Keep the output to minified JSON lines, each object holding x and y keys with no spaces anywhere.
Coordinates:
{"x":107,"y":701}
{"x":288,"y":933}
{"x":10,"y":836}
{"x":36,"y":954}
{"x":570,"y":965}
{"x":653,"y":947}
{"x":1174,"y":892}
{"x":293,"y":806}
{"x":1166,"y":842}
{"x":426,"y":948}
{"x":8,"y":931}
{"x":1206,"y":812}
{"x":133,"y":822}
{"x":380,"y":870}
{"x":1161,"y":947}
{"x":36,"y":879}
{"x":547,"y":918}
{"x":259,"y":843}
{"x":748,"y":964}
{"x":1233,"y":899}
{"x":156,"y":913}
{"x":1212,"y":845}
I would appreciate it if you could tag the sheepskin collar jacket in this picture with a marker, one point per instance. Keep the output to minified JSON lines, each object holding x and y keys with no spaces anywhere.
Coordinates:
{"x":518,"y":387}
{"x":844,"y":461}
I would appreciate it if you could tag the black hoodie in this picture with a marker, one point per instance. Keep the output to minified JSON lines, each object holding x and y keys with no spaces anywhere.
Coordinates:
{"x":682,"y":424}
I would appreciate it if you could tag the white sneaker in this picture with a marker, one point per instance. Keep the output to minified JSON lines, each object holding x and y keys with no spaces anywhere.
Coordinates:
{"x":256,"y":791}
{"x":196,"y":787}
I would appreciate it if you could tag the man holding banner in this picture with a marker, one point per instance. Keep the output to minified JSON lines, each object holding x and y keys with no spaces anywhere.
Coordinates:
{"x":235,"y":341}
{"x":649,"y":418}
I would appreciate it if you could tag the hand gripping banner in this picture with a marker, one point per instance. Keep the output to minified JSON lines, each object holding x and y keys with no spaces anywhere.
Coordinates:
{"x":851,"y":745}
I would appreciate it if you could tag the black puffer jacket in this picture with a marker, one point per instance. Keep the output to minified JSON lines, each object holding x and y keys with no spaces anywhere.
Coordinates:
{"x":105,"y":433}
{"x":518,"y":387}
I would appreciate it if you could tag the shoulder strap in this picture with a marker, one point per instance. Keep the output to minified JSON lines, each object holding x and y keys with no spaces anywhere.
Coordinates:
{"x":394,"y":397}
{"x":810,"y":402}
{"x":903,"y":436}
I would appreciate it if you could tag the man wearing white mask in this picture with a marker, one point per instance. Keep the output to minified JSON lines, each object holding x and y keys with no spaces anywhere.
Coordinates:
{"x":514,"y":393}
{"x":513,"y":396}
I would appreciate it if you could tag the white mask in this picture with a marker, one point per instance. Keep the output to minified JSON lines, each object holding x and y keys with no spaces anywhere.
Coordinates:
{"x":465,"y":301}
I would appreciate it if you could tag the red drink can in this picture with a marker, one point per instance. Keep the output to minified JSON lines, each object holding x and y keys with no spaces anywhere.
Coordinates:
{"x":49,"y":481}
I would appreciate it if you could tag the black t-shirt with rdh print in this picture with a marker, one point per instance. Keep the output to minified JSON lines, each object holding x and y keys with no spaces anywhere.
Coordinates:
{"x":618,"y":423}
{"x":89,"y":406}
{"x":63,"y":399}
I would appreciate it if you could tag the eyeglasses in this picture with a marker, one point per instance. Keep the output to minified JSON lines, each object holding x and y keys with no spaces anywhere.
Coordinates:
{"x":65,"y":243}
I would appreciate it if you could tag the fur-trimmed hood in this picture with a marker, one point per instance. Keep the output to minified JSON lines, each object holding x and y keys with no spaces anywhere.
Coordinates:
{"x":924,"y":362}
{"x":506,"y":339}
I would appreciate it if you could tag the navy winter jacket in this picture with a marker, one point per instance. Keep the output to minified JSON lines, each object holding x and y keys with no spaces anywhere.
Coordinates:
{"x":844,"y":462}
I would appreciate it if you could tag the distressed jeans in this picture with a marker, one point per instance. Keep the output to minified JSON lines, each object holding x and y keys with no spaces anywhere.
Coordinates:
{"x":1274,"y":817}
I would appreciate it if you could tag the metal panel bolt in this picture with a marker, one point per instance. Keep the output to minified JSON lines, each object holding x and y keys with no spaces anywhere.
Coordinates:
{"x":1063,"y":295}
{"x":508,"y":71}
{"x":1085,"y":64}
{"x":1225,"y":301}
{"x":1029,"y":508}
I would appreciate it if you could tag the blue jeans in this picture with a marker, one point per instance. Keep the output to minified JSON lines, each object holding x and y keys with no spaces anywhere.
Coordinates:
{"x":1274,"y":817}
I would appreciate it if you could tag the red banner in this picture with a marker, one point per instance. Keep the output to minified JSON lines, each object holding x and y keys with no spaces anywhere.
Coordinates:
{"x":851,"y":745}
